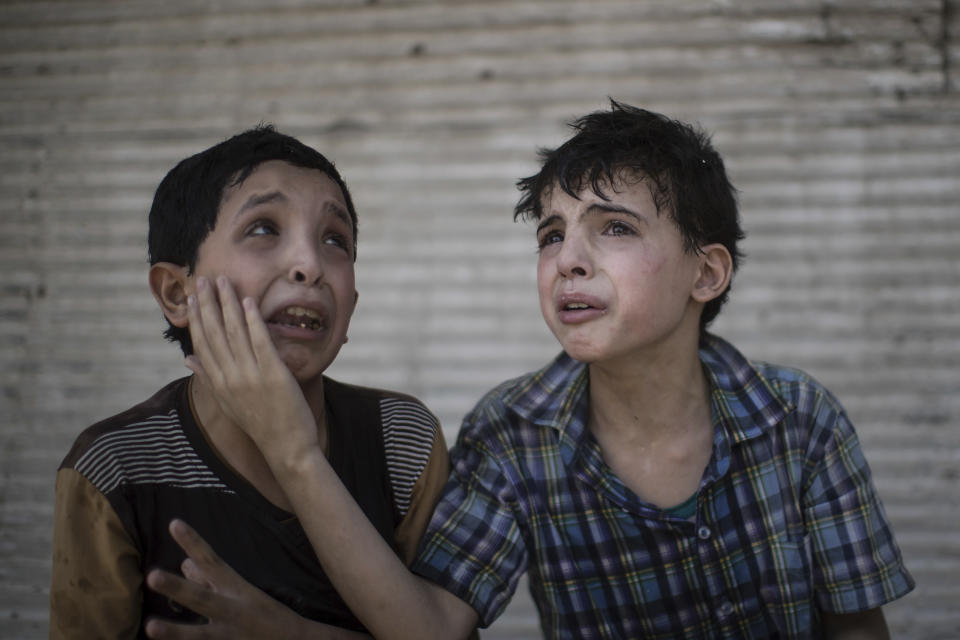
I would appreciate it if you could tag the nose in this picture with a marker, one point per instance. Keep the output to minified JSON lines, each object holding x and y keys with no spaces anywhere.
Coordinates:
{"x":306,"y":264}
{"x":573,"y":260}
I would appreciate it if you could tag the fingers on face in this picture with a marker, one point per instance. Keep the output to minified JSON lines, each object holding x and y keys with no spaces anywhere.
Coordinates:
{"x":226,"y":331}
{"x":219,"y":325}
{"x":211,"y":324}
{"x":260,"y":340}
{"x":234,"y":320}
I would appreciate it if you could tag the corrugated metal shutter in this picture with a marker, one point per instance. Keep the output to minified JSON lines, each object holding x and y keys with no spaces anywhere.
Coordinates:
{"x":838,"y":120}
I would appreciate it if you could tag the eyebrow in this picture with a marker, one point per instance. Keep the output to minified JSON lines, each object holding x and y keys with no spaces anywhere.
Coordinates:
{"x":259,"y":199}
{"x":340,"y":212}
{"x":546,"y":222}
{"x":597,"y":208}
{"x":610,"y":207}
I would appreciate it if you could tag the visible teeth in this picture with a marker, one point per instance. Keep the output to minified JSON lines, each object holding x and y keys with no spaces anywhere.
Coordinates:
{"x":577,"y":305}
{"x":301,"y":311}
{"x":296,"y":316}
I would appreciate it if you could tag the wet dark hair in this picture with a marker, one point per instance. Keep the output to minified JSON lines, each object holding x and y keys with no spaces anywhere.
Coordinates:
{"x":685,"y":175}
{"x":187,"y":201}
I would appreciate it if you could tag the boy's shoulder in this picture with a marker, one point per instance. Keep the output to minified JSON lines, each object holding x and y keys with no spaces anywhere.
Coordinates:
{"x":162,"y":406}
{"x":409,"y":428}
{"x":411,"y":433}
{"x":733,"y":369}
{"x":760,"y":392}
{"x":148,"y":440}
{"x":788,"y":380}
{"x":337,"y":391}
{"x":396,"y":409}
{"x":796,"y":387}
{"x":544,"y":398}
{"x":535,"y":387}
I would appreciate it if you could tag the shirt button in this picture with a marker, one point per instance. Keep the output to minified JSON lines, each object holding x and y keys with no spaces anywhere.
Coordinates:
{"x":703,"y":533}
{"x":725,"y":609}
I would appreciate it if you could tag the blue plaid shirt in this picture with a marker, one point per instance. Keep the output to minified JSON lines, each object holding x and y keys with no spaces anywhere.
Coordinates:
{"x":787,"y":520}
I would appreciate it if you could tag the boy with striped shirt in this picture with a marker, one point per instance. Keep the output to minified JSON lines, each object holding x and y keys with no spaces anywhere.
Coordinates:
{"x":271,"y":218}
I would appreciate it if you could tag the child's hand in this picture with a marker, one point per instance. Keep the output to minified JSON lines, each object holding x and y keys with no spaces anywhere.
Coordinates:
{"x":235,"y":358}
{"x":234,"y":608}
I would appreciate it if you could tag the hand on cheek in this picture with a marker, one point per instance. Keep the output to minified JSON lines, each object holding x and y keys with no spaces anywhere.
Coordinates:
{"x":234,"y":356}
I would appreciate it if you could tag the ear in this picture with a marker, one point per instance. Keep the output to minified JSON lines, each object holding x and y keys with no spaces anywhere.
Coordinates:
{"x":168,"y":283}
{"x":713,"y":277}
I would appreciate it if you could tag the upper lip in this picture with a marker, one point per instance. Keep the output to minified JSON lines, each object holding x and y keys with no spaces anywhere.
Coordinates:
{"x":574,"y":298}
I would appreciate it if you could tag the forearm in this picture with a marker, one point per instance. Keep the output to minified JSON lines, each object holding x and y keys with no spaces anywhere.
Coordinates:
{"x":380,"y":590}
{"x":257,"y":391}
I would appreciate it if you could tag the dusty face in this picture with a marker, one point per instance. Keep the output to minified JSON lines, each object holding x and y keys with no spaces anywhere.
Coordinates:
{"x":613,"y":277}
{"x":284,"y":238}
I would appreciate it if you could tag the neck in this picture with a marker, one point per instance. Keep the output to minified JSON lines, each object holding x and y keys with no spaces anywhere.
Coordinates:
{"x":653,"y":426}
{"x":650,"y":397}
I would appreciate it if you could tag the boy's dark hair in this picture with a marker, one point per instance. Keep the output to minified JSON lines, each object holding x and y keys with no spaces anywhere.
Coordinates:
{"x":685,"y":175}
{"x":187,"y":201}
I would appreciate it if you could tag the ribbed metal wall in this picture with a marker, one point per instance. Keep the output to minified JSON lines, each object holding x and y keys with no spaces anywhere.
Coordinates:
{"x":839,"y":122}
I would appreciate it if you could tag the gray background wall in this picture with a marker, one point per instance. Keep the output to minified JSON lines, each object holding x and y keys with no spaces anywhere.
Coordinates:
{"x":838,"y":120}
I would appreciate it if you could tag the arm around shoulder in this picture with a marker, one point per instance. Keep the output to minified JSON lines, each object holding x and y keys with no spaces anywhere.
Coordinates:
{"x":391,"y":601}
{"x":236,"y":610}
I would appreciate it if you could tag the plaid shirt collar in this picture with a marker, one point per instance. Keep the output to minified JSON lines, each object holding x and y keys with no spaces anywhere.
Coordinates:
{"x":743,"y":402}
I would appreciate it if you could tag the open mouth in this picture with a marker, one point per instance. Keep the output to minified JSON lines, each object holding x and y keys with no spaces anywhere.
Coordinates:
{"x":577,"y":308}
{"x":299,"y":317}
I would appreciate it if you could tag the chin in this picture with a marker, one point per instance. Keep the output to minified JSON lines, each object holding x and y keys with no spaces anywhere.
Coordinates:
{"x":305,"y":367}
{"x":586,"y":358}
{"x":596,"y":351}
{"x":579,"y":346}
{"x":582,"y":353}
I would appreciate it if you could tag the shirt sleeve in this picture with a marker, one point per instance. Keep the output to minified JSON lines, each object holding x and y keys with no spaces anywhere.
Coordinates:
{"x":857,"y":564}
{"x":426,"y":492}
{"x":473,"y":546}
{"x":96,"y":585}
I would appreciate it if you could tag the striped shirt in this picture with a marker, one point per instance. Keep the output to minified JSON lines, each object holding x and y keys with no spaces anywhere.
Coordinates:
{"x":787,"y":521}
{"x":128,"y":475}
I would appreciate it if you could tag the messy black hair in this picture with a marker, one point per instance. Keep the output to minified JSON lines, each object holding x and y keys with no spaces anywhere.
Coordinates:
{"x":187,"y":201}
{"x":684,"y":173}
